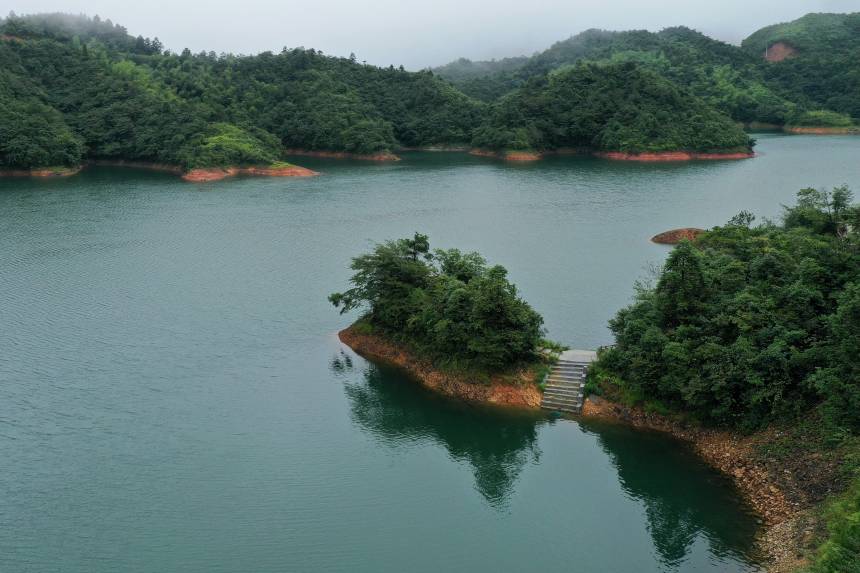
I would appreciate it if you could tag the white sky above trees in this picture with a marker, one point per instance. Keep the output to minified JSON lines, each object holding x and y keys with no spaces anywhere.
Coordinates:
{"x":419,"y":34}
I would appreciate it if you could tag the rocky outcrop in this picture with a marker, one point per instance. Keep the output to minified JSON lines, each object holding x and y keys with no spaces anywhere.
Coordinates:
{"x":675,"y":236}
{"x":519,"y":390}
{"x":218,"y":173}
{"x":672,"y":156}
{"x":381,"y":156}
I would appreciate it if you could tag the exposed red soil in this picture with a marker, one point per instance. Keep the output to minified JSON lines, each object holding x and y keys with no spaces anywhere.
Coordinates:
{"x":384,"y":156}
{"x":524,"y":393}
{"x":822,"y":130}
{"x":675,"y":236}
{"x":671,"y":156}
{"x":64,"y":172}
{"x":8,"y":38}
{"x":216,"y":174}
{"x":518,"y":156}
{"x":779,"y":51}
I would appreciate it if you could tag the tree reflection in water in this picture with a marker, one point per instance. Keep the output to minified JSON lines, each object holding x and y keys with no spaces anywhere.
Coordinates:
{"x":683,"y":498}
{"x":497,"y":444}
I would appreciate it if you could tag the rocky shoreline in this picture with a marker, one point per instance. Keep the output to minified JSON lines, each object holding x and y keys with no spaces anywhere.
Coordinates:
{"x":43,"y":172}
{"x":774,"y":492}
{"x":672,"y":156}
{"x":525,"y":156}
{"x":799,"y":130}
{"x":382,"y":156}
{"x":675,"y":236}
{"x":521,"y":393}
{"x":216,"y":174}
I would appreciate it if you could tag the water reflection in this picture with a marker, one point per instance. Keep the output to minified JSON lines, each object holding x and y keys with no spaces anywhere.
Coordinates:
{"x":683,"y":499}
{"x":685,"y":502}
{"x":496,"y":444}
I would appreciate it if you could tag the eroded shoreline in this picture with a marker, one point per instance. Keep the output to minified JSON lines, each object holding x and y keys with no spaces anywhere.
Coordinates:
{"x":778,"y":500}
{"x":523,"y":394}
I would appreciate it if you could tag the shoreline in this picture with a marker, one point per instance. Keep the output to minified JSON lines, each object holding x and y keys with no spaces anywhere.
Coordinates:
{"x":675,"y":236}
{"x":384,"y":156}
{"x":770,"y":491}
{"x":788,"y":520}
{"x":44,"y":172}
{"x":217,"y":173}
{"x":661,"y":156}
{"x":201,"y":175}
{"x":801,"y":130}
{"x":648,"y":157}
{"x":523,"y":395}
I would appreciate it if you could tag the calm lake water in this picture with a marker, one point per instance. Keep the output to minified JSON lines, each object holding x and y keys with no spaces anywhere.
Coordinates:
{"x":173,"y":396}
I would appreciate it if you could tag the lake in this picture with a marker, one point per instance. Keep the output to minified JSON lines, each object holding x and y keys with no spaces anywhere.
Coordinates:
{"x":173,"y":396}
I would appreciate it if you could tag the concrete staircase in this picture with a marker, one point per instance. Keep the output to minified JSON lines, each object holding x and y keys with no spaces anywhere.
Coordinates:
{"x":566,"y":380}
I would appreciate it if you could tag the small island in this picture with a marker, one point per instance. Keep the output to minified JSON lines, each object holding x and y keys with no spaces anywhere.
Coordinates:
{"x":675,"y":236}
{"x":450,"y":320}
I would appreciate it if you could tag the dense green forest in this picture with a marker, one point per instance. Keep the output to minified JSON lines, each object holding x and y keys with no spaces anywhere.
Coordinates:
{"x":751,"y":324}
{"x":74,"y":88}
{"x":447,"y":305}
{"x":621,"y":107}
{"x":823,"y":74}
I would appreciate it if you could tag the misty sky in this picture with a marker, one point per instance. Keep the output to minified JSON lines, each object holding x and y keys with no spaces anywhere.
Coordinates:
{"x":419,"y":34}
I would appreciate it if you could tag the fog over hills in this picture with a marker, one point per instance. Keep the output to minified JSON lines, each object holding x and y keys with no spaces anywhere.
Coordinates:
{"x":419,"y":35}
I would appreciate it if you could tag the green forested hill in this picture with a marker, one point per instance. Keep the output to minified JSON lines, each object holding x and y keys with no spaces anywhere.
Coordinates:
{"x":824,"y":75}
{"x":73,"y":87}
{"x":824,"y":71}
{"x":608,"y":107}
{"x":723,"y":75}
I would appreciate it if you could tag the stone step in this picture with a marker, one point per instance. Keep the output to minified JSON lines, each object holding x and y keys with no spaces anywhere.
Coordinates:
{"x":564,"y":383}
{"x":555,"y":376}
{"x":554,"y":402}
{"x":562,"y":392}
{"x":570,"y":368}
{"x":573,"y":408}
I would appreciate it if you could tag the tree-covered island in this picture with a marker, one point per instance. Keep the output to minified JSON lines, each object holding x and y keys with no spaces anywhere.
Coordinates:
{"x":448,"y":317}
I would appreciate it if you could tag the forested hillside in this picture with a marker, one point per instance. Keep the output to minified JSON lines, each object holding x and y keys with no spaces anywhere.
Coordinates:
{"x":823,"y":68}
{"x":73,"y":87}
{"x":611,"y":107}
{"x":825,"y":74}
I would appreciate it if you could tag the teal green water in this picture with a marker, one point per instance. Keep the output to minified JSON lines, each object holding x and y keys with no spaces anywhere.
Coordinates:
{"x":173,"y":396}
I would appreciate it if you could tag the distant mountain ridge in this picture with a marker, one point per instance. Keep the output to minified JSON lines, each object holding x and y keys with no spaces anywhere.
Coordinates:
{"x":735,"y":79}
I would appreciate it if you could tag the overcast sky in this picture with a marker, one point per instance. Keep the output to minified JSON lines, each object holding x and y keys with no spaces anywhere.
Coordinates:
{"x":419,"y":33}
